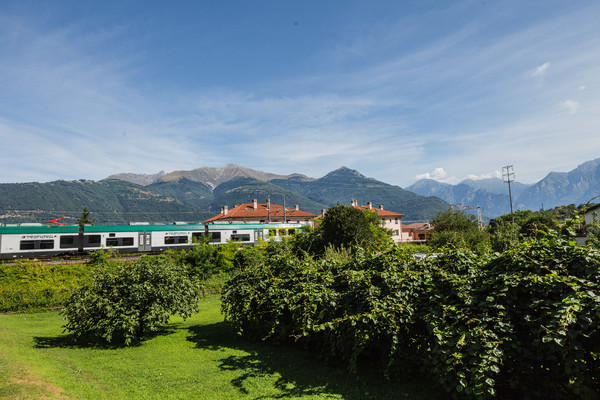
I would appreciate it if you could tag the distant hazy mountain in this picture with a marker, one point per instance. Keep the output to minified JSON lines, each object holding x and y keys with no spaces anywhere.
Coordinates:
{"x":562,"y":188}
{"x":496,"y":185}
{"x":557,"y":188}
{"x":468,"y":192}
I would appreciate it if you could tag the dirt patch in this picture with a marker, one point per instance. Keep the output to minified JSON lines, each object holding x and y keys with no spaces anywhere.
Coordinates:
{"x":29,"y":387}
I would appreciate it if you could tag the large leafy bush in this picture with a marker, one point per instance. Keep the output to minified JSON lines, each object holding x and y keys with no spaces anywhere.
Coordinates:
{"x":125,"y":302}
{"x":524,"y":324}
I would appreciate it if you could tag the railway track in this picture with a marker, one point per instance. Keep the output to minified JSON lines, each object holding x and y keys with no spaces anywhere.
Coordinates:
{"x":67,"y":261}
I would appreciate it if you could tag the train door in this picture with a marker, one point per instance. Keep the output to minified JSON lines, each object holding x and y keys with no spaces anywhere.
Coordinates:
{"x":144,"y":241}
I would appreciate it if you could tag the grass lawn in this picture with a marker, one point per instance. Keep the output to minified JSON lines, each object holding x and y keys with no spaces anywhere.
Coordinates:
{"x":200,"y":358}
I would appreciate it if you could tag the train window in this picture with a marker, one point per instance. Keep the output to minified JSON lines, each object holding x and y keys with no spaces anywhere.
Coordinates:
{"x":213,"y":237}
{"x":68,"y":241}
{"x":27,"y":245}
{"x":46,"y":244}
{"x":241,"y":237}
{"x":291,"y":231}
{"x":127,"y":241}
{"x":176,"y":239}
{"x":92,"y":240}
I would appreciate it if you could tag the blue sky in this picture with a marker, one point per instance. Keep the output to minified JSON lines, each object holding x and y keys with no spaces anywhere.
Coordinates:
{"x":396,"y":90}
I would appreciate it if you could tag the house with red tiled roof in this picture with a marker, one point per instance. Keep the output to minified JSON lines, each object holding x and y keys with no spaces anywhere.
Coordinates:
{"x":261,"y":213}
{"x":417,"y":232}
{"x":390,"y":220}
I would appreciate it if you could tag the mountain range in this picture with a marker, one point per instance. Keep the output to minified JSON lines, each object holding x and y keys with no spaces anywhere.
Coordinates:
{"x":199,"y":194}
{"x":558,"y":188}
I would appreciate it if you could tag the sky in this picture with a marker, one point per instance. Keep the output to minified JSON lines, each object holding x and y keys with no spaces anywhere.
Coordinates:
{"x":399,"y":91}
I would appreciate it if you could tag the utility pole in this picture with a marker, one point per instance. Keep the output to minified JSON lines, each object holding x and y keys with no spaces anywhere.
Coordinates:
{"x":284,"y":215}
{"x":510,"y":177}
{"x":269,"y":209}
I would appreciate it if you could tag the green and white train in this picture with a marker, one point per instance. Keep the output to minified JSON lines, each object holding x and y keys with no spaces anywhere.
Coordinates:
{"x":31,"y":240}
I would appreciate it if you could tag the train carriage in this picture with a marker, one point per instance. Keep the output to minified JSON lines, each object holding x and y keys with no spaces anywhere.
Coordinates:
{"x":41,"y":240}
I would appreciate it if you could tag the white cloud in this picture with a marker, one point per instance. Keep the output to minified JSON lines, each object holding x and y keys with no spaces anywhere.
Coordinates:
{"x":541,"y":70}
{"x":571,"y":106}
{"x":495,"y":174}
{"x":437,"y":174}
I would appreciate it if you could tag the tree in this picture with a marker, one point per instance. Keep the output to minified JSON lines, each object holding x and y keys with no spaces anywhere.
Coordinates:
{"x":85,"y":218}
{"x":345,"y":226}
{"x":538,"y":222}
{"x":127,"y":301}
{"x":504,"y":235}
{"x":460,"y":230}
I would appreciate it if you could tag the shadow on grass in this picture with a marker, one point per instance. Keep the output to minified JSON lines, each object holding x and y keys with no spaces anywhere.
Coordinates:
{"x":91,"y":340}
{"x":299,"y":372}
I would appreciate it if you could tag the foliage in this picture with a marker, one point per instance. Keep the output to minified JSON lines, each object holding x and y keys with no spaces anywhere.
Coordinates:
{"x":539,"y":222}
{"x":29,"y":285}
{"x":85,"y":218}
{"x":459,"y":230}
{"x":200,"y":358}
{"x":345,"y":226}
{"x":100,"y":257}
{"x":125,"y":302}
{"x":505,"y":235}
{"x":522,"y":324}
{"x":204,"y":260}
{"x":248,"y":256}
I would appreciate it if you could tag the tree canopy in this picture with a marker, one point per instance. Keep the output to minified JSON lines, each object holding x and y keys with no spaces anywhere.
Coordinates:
{"x":127,"y":301}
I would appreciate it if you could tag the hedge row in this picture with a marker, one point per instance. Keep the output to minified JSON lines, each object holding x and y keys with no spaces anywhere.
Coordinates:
{"x":28,"y":285}
{"x":522,"y":324}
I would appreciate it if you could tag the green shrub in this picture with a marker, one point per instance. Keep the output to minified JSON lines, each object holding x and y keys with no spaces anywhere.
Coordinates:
{"x":127,"y":301}
{"x":30,"y":285}
{"x":523,"y":324}
{"x":204,"y":260}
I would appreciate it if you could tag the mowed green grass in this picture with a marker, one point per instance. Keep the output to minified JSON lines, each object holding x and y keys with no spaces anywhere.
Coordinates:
{"x":200,"y":358}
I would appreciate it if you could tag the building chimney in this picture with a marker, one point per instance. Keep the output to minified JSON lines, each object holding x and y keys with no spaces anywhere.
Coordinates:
{"x":370,"y":205}
{"x":225,"y":210}
{"x":323,"y":211}
{"x":297,"y":207}
{"x":354,"y":203}
{"x":381,"y":207}
{"x":254,"y":204}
